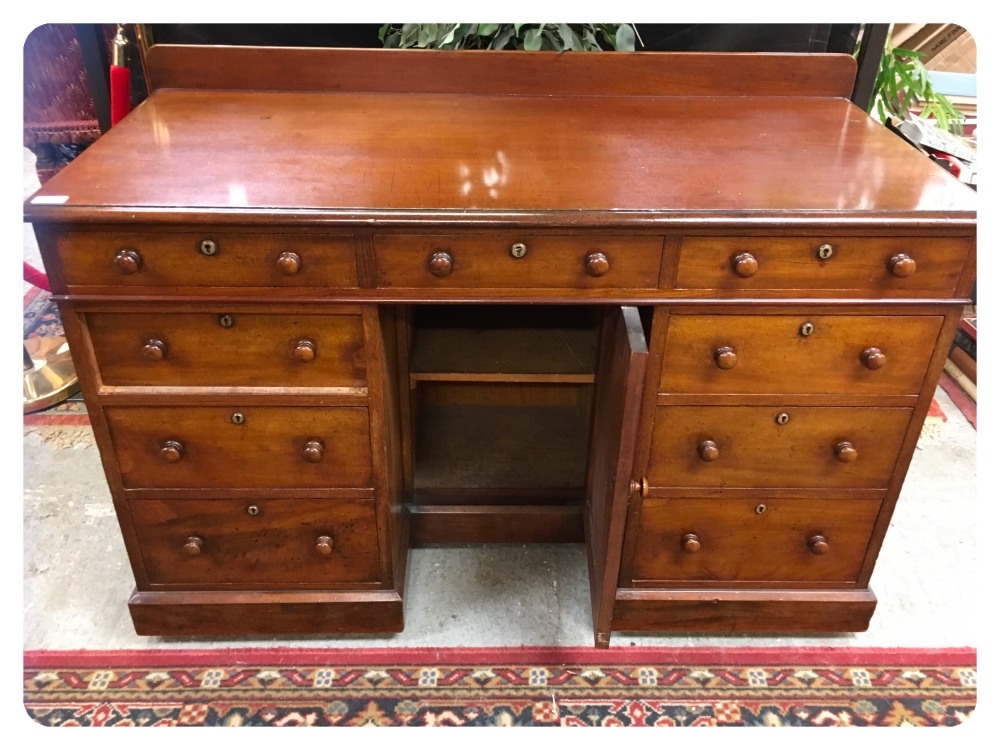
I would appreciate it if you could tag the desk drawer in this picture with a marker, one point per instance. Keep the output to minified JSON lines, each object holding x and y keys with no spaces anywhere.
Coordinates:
{"x":547,"y":262}
{"x":745,"y":446}
{"x":798,"y":353}
{"x":144,"y":259}
{"x":220,"y":349}
{"x":787,"y":540}
{"x":905,"y":265}
{"x":257,"y":542}
{"x":268,"y":446}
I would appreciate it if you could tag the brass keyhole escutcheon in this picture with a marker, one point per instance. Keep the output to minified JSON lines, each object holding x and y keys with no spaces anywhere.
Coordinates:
{"x":238,"y":417}
{"x":782,"y":417}
{"x":226,"y":321}
{"x":208,"y":247}
{"x":760,"y":509}
{"x":806,"y":329}
{"x":824,"y":252}
{"x":518,"y":249}
{"x":253,"y":510}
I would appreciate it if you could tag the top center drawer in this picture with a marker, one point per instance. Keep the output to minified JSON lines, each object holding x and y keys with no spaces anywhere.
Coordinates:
{"x":517,"y":261}
{"x":189,"y":259}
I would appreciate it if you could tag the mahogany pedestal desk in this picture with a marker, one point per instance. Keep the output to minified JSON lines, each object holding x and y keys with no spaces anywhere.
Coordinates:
{"x":686,"y":309}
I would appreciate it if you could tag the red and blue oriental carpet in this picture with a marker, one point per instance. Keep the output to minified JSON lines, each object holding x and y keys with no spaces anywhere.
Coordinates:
{"x":502,"y":687}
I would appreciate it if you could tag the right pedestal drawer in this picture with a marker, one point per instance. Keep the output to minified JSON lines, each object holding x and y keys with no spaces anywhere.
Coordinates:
{"x":792,"y":540}
{"x":798,"y":354}
{"x":766,"y":446}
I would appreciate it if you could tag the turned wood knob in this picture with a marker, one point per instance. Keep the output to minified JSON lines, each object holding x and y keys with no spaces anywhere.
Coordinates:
{"x":818,"y":545}
{"x":128,"y":261}
{"x":440,"y":264}
{"x":305,"y":351}
{"x":725,"y":357}
{"x":708,"y":450}
{"x":172,"y":451}
{"x":192,"y":546}
{"x":690,"y":543}
{"x":744,"y":264}
{"x":597,"y":264}
{"x":289,"y":263}
{"x":902,"y":265}
{"x":845,"y":452}
{"x":313,"y":451}
{"x":324,"y":545}
{"x":640,"y":487}
{"x":154,"y":350}
{"x":873,"y":358}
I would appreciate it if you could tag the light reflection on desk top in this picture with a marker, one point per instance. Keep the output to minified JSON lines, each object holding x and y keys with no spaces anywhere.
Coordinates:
{"x":474,"y":153}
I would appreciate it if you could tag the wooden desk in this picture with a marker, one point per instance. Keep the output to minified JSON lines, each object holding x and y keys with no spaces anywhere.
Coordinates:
{"x":327,"y":305}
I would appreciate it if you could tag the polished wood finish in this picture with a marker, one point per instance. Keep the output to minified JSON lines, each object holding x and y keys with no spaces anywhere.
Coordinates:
{"x":795,"y":263}
{"x":173,"y":259}
{"x":258,"y":350}
{"x":551,"y":262}
{"x":797,"y":314}
{"x":742,"y":447}
{"x":728,"y":539}
{"x":618,"y":399}
{"x":739,"y":611}
{"x":271,"y":449}
{"x":746,"y":354}
{"x":202,"y":613}
{"x":271,"y":548}
{"x":459,"y":72}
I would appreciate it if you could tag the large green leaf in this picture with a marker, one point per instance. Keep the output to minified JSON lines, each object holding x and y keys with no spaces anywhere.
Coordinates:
{"x":533,"y":39}
{"x":488,"y":29}
{"x":625,"y":38}
{"x":427,"y":34}
{"x":570,"y":39}
{"x":408,"y":34}
{"x":500,"y":40}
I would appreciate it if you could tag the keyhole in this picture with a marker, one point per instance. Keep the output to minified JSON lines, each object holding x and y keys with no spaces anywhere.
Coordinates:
{"x":226,"y":321}
{"x":782,"y":418}
{"x":208,"y":247}
{"x":760,"y":509}
{"x":824,"y":251}
{"x":518,"y":249}
{"x":806,"y":329}
{"x":238,"y":418}
{"x":253,"y":510}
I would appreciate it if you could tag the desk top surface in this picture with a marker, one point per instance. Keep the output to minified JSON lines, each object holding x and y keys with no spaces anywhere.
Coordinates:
{"x":601,"y":159}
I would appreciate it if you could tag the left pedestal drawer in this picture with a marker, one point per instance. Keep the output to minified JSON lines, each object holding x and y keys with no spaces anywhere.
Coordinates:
{"x":258,"y":543}
{"x":224,"y":348}
{"x":239,"y":447}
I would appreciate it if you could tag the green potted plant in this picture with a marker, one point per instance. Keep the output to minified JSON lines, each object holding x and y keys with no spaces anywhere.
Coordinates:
{"x":560,"y":37}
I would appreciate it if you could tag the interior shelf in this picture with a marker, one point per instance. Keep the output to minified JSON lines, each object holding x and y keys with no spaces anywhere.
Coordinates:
{"x":500,"y":446}
{"x":512,"y":344}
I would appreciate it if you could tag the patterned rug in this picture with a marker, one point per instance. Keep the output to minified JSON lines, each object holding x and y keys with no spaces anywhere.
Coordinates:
{"x":502,"y":687}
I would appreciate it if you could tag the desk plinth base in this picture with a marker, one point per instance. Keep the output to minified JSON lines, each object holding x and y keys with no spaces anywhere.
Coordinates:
{"x":265,"y":612}
{"x":742,"y":611}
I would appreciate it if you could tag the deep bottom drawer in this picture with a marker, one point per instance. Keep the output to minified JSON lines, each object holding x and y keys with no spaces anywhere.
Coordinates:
{"x":788,"y":540}
{"x":257,"y":543}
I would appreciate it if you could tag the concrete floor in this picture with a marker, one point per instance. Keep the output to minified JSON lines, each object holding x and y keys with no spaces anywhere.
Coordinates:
{"x":77,"y":579}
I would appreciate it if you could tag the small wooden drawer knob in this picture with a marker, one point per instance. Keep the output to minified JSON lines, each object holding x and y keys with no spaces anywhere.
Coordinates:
{"x":192,"y":546}
{"x":725,"y":357}
{"x":690,"y":543}
{"x":324,"y":545}
{"x":289,"y":263}
{"x":154,"y":350}
{"x":708,"y":450}
{"x":597,"y":264}
{"x":744,"y":265}
{"x":172,"y":451}
{"x":845,"y":452}
{"x":873,"y":358}
{"x":128,"y":261}
{"x":818,"y":545}
{"x":305,"y":351}
{"x":440,"y":264}
{"x":902,"y":266}
{"x":313,"y":451}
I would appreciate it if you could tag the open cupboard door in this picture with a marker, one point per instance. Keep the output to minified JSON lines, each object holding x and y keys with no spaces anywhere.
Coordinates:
{"x":621,"y":370}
